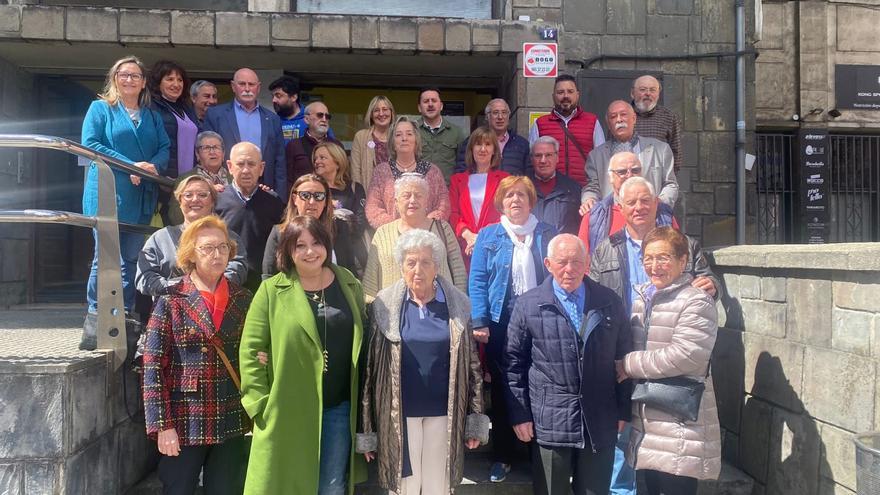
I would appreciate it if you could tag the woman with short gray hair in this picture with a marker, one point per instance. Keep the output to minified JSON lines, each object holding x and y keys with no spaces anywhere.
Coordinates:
{"x":411,"y":193}
{"x":423,"y":377}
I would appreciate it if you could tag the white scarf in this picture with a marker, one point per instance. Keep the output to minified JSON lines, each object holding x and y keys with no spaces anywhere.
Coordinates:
{"x":522,"y":266}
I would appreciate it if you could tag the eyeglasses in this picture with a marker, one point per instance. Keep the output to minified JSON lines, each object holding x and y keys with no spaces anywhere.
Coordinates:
{"x":189,"y":196}
{"x":541,"y":156}
{"x":661,"y":260}
{"x":211,"y":147}
{"x":499,"y":113}
{"x":130,"y":75}
{"x":308,"y":195}
{"x":208,"y":250}
{"x":322,"y":115}
{"x":622,"y":172}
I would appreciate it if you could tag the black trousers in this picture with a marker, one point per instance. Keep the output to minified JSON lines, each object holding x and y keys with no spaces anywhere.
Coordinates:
{"x":660,"y":483}
{"x":589,"y":473}
{"x":225,"y":467}
{"x":504,"y":441}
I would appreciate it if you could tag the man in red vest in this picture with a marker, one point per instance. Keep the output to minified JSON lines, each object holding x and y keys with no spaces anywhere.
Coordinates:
{"x":577,"y":131}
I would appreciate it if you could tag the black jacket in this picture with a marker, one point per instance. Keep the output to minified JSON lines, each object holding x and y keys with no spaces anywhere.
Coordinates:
{"x":609,"y":266}
{"x":560,"y":207}
{"x":561,"y":383}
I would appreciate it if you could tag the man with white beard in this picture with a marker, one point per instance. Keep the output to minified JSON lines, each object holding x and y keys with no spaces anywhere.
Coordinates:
{"x":655,"y":157}
{"x":655,"y":120}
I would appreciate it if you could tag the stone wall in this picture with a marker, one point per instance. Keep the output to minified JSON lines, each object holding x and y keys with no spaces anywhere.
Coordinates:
{"x":796,"y":362}
{"x":801,"y":43}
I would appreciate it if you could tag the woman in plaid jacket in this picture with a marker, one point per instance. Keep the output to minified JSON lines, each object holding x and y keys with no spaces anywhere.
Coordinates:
{"x":191,"y":386}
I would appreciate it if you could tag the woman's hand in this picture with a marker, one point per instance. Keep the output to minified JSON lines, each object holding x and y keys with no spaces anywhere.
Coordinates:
{"x":145,"y":166}
{"x":621,"y":371}
{"x":263,"y":357}
{"x":481,"y":335}
{"x":470,"y":240}
{"x":435,"y":215}
{"x":168,"y":444}
{"x":369,"y":456}
{"x":472,"y":443}
{"x":219,"y":188}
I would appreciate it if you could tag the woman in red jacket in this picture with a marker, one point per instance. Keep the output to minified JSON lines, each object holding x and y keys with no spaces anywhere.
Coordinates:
{"x":471,"y":192}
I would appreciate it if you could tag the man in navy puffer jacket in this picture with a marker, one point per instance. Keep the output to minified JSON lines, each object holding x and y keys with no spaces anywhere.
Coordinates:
{"x":563,"y":339}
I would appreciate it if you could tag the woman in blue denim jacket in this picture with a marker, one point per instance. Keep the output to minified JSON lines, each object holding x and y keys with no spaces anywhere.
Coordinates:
{"x":508,"y":260}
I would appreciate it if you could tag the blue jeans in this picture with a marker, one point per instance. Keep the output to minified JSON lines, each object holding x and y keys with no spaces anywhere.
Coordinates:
{"x":623,"y":477}
{"x":130,"y":246}
{"x":335,"y":449}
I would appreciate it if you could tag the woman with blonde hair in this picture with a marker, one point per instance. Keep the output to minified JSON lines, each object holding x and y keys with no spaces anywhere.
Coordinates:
{"x":370,"y":146}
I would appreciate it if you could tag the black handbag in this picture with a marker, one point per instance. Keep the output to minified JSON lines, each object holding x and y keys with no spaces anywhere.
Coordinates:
{"x":679,"y":396}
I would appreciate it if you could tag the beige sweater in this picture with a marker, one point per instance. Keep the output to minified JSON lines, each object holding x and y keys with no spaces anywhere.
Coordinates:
{"x":382,"y":269}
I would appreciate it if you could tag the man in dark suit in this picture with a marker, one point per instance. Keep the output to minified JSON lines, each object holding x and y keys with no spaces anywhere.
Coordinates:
{"x":244,"y":119}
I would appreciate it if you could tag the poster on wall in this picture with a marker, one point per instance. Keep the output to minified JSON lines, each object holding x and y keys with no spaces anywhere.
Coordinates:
{"x":857,"y":87}
{"x":540,"y":59}
{"x":815,"y":174}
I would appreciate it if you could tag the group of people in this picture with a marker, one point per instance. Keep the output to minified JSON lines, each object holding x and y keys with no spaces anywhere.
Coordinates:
{"x":353,"y":308}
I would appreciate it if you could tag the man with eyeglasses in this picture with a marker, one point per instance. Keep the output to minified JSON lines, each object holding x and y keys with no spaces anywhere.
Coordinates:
{"x":655,"y":120}
{"x":514,"y":148}
{"x":558,"y":194}
{"x":244,"y":119}
{"x":249,"y":210}
{"x":655,"y":157}
{"x":617,"y":265}
{"x":606,"y":217}
{"x":440,"y":138}
{"x":299,"y":151}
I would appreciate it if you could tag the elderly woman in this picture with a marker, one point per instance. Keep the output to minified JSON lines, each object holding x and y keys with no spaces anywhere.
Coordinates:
{"x":370,"y":145}
{"x":508,"y":260}
{"x":157,"y":263}
{"x":471,"y":192}
{"x":676,"y":325}
{"x":169,"y":88}
{"x":120,"y":124}
{"x":192,"y":405}
{"x":404,"y":151}
{"x":309,"y":318}
{"x":310,"y":196}
{"x":422,"y":398}
{"x":383,"y":270}
{"x":209,"y":164}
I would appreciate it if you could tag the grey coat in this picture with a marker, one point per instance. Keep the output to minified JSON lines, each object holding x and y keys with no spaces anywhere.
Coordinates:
{"x":382,"y":413}
{"x":157,"y":261}
{"x":657,"y":167}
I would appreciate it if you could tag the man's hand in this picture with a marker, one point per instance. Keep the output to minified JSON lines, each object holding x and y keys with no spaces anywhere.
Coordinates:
{"x":620,"y":426}
{"x":525,"y":431}
{"x":266,"y":188}
{"x":706,"y":284}
{"x":481,"y":335}
{"x":472,"y":443}
{"x":586,"y":206}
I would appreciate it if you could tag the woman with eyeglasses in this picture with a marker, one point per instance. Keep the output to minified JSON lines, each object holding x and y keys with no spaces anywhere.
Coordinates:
{"x":310,"y":196}
{"x":120,"y":124}
{"x":157,"y":262}
{"x":209,"y":165}
{"x":192,"y":403}
{"x":370,"y":146}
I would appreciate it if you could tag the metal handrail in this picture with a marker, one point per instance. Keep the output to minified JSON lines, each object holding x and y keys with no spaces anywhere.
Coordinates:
{"x":111,"y":331}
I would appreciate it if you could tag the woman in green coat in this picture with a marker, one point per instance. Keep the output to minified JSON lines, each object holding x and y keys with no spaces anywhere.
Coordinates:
{"x":309,"y":318}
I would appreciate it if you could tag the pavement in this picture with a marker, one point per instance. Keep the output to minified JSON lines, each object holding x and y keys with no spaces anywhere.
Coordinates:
{"x":42,"y":335}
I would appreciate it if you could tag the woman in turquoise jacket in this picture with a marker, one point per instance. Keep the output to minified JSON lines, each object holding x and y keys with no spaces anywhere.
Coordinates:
{"x":120,"y":124}
{"x":309,"y":318}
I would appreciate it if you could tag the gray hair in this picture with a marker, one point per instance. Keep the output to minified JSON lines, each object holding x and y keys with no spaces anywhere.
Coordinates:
{"x":620,"y":155}
{"x":408,"y":180}
{"x":636,"y":181}
{"x":416,"y":239}
{"x":559,"y":239}
{"x":208,"y":135}
{"x":311,"y":106}
{"x":489,"y":106}
{"x":198,"y":85}
{"x":546,"y":140}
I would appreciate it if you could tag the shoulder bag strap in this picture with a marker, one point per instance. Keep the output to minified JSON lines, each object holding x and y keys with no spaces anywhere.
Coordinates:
{"x":571,"y":137}
{"x":229,"y":368}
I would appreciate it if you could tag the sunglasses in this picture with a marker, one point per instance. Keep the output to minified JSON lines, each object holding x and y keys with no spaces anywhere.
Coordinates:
{"x":308,"y":195}
{"x":322,"y":115}
{"x":623,"y":171}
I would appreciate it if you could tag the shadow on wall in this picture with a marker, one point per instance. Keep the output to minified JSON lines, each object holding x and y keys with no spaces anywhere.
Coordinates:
{"x":766,"y":430}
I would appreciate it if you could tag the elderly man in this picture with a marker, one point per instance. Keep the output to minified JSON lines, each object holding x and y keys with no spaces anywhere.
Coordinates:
{"x":286,"y":102}
{"x":656,"y":121}
{"x":655,"y":157}
{"x":605,"y":217}
{"x":514,"y":148}
{"x":558,"y":195}
{"x":617,"y":264}
{"x":299,"y":151}
{"x":203,"y":95}
{"x":244,"y":119}
{"x":440,"y":138}
{"x":573,"y":410}
{"x":576,"y":130}
{"x":249,"y":210}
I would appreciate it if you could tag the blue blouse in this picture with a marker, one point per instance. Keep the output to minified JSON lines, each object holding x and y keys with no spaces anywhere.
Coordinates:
{"x":424,"y":372}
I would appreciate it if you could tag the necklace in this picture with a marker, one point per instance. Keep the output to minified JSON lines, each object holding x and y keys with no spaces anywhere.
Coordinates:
{"x":318,"y":298}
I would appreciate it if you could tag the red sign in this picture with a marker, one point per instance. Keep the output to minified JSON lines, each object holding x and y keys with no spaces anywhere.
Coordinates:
{"x":540,"y":59}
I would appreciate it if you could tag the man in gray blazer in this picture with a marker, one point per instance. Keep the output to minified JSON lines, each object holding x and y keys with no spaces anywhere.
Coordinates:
{"x":655,"y":156}
{"x":244,"y":119}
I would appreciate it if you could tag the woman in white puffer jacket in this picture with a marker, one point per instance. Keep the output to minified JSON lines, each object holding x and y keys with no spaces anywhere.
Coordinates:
{"x":676,"y":325}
